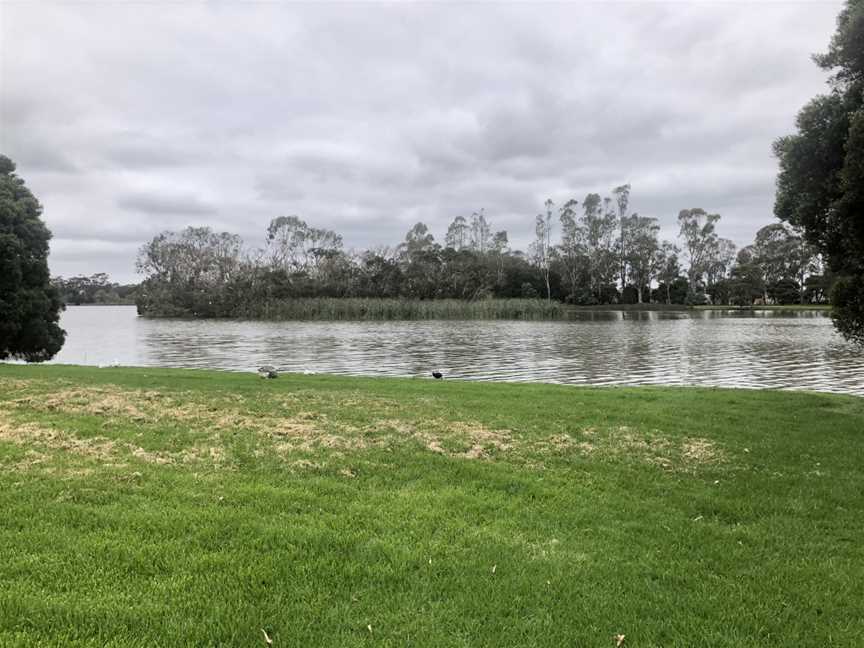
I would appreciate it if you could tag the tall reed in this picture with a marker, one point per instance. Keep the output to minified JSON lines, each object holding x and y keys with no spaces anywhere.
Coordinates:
{"x":325,"y":308}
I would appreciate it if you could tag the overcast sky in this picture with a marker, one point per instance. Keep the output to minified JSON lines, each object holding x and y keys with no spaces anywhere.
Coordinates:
{"x":129,"y":118}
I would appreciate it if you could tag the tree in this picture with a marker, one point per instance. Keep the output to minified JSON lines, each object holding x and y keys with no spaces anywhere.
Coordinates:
{"x":29,"y":305}
{"x":190,"y":273}
{"x":481,"y":233}
{"x":783,"y":256}
{"x":379,"y":275}
{"x":820,"y":187}
{"x":720,"y":259}
{"x":597,"y":232}
{"x":700,"y":240}
{"x":500,"y":245}
{"x":572,"y":255}
{"x":457,"y":236}
{"x":421,"y":262}
{"x":784,"y":291}
{"x":668,"y":268}
{"x":641,"y":259}
{"x":622,"y":199}
{"x":541,"y":248}
{"x":95,"y":289}
{"x":295,"y":247}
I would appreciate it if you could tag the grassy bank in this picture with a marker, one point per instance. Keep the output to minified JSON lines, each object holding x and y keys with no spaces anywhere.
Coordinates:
{"x":148,"y":507}
{"x":322,"y":308}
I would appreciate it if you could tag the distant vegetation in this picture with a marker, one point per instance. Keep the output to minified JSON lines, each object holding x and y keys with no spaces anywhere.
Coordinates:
{"x":360,"y":308}
{"x":95,"y":289}
{"x":604,"y":254}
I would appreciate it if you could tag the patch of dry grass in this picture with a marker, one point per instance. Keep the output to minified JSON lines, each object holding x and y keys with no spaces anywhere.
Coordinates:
{"x":625,"y":443}
{"x":309,"y":422}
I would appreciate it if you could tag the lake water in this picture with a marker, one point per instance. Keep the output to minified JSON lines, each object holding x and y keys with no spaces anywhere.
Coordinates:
{"x":732,"y":349}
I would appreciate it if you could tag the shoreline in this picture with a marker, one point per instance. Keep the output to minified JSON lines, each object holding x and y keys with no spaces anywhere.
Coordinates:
{"x":396,"y":310}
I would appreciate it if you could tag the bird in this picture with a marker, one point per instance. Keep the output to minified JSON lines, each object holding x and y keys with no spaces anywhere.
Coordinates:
{"x":437,"y":375}
{"x":267,"y":371}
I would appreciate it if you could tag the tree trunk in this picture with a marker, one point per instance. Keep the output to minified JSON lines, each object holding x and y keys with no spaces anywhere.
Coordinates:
{"x":801,"y":288}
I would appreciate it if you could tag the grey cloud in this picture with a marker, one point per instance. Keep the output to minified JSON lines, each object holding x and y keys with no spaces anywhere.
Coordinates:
{"x":151,"y":203}
{"x":39,"y":158}
{"x":142,"y":152}
{"x":130,"y":119}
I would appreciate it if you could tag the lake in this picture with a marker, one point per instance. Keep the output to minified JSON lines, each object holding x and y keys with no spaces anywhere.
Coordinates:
{"x":797,"y":350}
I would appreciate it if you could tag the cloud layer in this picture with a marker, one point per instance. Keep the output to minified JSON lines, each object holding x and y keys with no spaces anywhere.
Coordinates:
{"x":129,"y":118}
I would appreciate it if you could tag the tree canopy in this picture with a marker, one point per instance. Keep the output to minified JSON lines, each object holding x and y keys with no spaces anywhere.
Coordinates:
{"x":591,"y":252}
{"x":29,"y":305}
{"x":820,"y":188}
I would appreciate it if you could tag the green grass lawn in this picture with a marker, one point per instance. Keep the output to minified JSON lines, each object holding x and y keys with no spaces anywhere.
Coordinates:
{"x":148,"y":507}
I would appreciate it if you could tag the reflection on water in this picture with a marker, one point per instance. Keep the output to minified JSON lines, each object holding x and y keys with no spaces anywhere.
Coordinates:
{"x":735,"y":349}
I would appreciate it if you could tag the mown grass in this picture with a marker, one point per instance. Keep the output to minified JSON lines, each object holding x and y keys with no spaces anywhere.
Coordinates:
{"x":324,"y":308}
{"x":146,"y":507}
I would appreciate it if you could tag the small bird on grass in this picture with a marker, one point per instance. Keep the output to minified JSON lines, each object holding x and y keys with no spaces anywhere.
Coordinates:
{"x":267,"y":371}
{"x":437,"y":375}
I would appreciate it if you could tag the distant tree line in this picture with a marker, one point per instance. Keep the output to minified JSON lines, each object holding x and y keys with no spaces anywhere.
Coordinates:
{"x":95,"y":289}
{"x":588,"y":253}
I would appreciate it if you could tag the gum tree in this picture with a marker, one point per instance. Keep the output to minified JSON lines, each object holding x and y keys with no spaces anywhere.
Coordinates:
{"x":698,"y":231}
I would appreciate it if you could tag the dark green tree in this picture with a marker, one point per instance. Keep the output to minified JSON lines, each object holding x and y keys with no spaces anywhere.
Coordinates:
{"x":820,"y":188}
{"x":29,"y":305}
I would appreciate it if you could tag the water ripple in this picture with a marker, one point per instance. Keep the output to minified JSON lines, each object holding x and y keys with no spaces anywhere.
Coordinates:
{"x":752,"y":350}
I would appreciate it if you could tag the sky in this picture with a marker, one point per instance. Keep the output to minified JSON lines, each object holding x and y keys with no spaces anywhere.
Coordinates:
{"x":130,"y":118}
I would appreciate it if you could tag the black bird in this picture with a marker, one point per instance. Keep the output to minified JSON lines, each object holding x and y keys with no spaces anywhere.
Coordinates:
{"x":437,"y":375}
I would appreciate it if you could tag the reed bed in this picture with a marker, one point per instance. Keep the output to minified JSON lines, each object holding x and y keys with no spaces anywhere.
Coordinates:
{"x":322,"y":308}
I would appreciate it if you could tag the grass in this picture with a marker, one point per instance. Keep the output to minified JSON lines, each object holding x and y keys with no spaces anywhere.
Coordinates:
{"x":146,"y":507}
{"x":325,"y":308}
